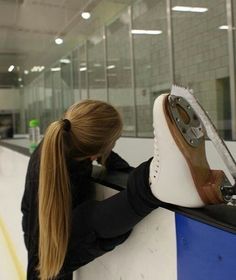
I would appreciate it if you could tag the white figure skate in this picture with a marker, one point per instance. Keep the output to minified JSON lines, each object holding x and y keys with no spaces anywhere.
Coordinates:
{"x":179,"y":171}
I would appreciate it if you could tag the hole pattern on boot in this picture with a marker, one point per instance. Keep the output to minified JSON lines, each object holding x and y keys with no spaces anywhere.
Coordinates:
{"x":156,"y":159}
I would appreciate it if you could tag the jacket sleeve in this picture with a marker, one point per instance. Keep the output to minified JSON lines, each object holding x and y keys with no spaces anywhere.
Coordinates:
{"x":116,"y":162}
{"x":29,"y":199}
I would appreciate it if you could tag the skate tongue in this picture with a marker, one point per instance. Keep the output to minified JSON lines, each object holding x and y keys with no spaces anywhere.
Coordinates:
{"x":211,"y":131}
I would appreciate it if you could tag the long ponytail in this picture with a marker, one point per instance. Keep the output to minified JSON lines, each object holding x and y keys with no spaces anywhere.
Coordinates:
{"x":94,"y":128}
{"x":54,"y":203}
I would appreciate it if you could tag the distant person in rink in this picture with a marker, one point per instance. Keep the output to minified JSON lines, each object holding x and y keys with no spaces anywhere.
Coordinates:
{"x":64,"y":226}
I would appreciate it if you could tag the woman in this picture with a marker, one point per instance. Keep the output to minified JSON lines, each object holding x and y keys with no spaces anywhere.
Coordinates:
{"x":64,"y":228}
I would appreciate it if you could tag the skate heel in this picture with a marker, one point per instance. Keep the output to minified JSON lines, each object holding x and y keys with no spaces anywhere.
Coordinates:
{"x":189,"y":135}
{"x":210,"y":192}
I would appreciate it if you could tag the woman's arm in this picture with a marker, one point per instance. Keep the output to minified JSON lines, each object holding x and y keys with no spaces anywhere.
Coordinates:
{"x":116,"y":162}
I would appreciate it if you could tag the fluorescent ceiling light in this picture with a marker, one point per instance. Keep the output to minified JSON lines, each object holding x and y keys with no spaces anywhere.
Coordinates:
{"x":86,"y":15}
{"x":26,"y":72}
{"x":82,"y":69}
{"x":199,"y":10}
{"x":189,"y":9}
{"x":181,"y":9}
{"x":37,"y":69}
{"x":65,"y":60}
{"x":55,"y":69}
{"x":147,"y":32}
{"x":10,"y":69}
{"x":224,"y":27}
{"x":111,"y":66}
{"x":59,"y":41}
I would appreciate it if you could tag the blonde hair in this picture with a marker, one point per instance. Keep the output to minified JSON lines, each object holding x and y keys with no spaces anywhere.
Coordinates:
{"x":95,"y":126}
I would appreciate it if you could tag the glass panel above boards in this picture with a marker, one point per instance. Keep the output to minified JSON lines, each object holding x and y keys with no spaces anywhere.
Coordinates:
{"x":97,"y":82}
{"x":119,"y":74}
{"x":201,"y":58}
{"x":151,"y":59}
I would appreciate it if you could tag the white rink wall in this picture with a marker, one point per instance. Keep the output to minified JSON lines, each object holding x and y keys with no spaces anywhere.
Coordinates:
{"x":149,"y":253}
{"x":137,"y":150}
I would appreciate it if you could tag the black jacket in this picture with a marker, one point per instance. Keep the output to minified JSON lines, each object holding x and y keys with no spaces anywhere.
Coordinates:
{"x":97,"y":226}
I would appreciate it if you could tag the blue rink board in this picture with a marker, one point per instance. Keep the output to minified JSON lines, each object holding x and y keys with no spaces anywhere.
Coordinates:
{"x":204,"y":252}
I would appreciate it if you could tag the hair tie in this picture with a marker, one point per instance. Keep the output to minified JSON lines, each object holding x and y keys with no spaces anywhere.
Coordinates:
{"x":66,"y":125}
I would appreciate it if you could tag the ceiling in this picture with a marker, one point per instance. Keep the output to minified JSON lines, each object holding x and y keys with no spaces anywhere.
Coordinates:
{"x":28,"y":29}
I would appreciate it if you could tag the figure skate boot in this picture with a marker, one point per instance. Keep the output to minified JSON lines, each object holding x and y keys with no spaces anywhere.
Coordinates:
{"x":179,"y":171}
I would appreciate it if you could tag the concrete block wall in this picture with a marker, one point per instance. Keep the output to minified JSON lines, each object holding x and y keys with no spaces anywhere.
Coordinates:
{"x":201,"y":51}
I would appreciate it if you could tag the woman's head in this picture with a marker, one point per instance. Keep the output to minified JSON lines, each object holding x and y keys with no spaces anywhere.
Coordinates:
{"x":90,"y":128}
{"x":95,"y":126}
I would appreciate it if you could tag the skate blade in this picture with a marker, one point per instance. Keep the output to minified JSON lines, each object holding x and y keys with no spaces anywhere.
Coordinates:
{"x":210,"y":129}
{"x":192,"y":146}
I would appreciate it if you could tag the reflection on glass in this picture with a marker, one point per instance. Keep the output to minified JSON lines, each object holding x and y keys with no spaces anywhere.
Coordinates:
{"x":119,"y":71}
{"x":66,"y":82}
{"x":48,"y":109}
{"x":233,"y":61}
{"x":151,"y":59}
{"x":26,"y":107}
{"x":83,"y":77}
{"x":35,"y":100}
{"x":40,"y":102}
{"x":96,"y":68}
{"x":57,"y":91}
{"x":201,"y":58}
{"x":30,"y":100}
{"x":75,"y":73}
